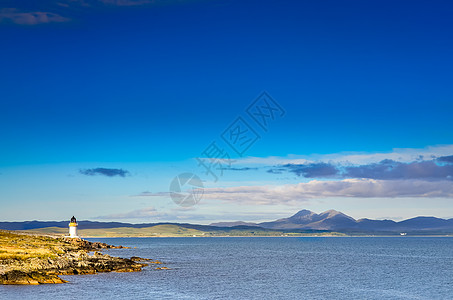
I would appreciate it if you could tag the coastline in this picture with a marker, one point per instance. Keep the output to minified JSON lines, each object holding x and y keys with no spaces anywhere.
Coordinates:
{"x":32,"y":259}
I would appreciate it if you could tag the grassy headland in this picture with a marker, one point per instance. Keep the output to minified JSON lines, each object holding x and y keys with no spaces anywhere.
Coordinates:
{"x":34,"y":259}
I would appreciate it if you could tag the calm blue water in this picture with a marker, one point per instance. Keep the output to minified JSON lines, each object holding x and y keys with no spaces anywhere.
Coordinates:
{"x":268,"y":268}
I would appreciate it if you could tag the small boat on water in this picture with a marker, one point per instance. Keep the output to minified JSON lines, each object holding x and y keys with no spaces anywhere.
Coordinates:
{"x":403,"y":233}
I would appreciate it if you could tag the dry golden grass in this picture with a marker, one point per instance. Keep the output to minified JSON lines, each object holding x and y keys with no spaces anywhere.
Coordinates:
{"x":21,"y":246}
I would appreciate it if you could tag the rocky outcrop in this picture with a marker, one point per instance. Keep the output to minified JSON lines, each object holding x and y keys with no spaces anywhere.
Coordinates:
{"x":69,"y":257}
{"x":86,"y":245}
{"x":20,"y":277}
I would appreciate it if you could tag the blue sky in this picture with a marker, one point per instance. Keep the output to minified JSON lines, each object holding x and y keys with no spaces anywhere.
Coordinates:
{"x":146,"y":86}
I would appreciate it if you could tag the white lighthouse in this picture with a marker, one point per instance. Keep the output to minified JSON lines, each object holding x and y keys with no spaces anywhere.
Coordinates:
{"x":73,"y":228}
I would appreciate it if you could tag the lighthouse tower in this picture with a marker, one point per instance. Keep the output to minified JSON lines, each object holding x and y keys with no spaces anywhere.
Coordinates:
{"x":73,"y":228}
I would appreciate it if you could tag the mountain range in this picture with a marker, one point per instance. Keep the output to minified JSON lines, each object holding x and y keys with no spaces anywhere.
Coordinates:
{"x":302,"y":221}
{"x":333,"y":220}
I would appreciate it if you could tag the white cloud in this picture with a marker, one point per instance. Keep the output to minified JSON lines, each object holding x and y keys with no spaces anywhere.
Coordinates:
{"x":293,"y":194}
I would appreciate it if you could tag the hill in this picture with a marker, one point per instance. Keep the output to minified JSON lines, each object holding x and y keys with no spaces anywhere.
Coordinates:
{"x":338,"y":221}
{"x":304,"y":222}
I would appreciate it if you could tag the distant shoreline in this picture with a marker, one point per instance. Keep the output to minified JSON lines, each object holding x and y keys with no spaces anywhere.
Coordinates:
{"x":182,"y":230}
{"x":302,"y":236}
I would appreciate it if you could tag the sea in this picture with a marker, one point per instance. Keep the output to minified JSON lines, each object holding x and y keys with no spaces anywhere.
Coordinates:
{"x":267,"y":268}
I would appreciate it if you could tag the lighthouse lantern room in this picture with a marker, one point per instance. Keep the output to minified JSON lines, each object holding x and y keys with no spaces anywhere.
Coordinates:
{"x":73,"y":228}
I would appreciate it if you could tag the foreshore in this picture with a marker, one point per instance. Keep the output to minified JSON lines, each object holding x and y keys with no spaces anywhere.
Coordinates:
{"x":38,"y":259}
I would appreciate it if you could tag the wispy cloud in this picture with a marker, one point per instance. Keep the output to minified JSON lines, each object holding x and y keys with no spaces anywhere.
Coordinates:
{"x":310,"y":170}
{"x":240,"y":169}
{"x":105,"y":172}
{"x":30,"y":18}
{"x":293,"y":194}
{"x":57,"y":11}
{"x":354,"y":158}
{"x":386,"y":169}
{"x":125,"y":2}
{"x":151,"y":214}
{"x":151,"y":194}
{"x":144,"y":213}
{"x":389,"y":169}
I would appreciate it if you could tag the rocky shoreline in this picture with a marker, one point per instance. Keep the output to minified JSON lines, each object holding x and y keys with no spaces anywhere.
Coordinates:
{"x":34,"y":259}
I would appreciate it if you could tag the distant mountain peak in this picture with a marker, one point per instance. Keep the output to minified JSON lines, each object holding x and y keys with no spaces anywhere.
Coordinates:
{"x":304,"y":216}
{"x":304,"y":212}
{"x":333,"y":213}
